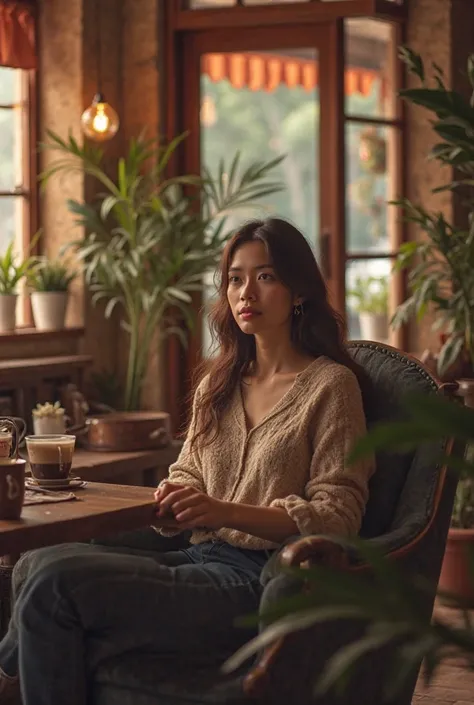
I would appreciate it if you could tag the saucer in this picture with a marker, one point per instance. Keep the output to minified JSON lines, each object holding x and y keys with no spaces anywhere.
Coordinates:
{"x":56,"y":481}
{"x":71,"y":483}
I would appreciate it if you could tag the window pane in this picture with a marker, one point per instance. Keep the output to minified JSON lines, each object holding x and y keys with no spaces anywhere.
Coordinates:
{"x":11,"y":220}
{"x":367,"y":296}
{"x":264,"y":105}
{"x":371,"y":183}
{"x":369,"y":47}
{"x":10,"y":149}
{"x":9,"y":88}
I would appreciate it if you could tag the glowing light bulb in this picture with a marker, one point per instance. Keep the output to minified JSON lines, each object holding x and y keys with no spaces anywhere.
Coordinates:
{"x":99,"y":121}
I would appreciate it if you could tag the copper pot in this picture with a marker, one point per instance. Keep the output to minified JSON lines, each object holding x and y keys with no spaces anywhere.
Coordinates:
{"x":128,"y":431}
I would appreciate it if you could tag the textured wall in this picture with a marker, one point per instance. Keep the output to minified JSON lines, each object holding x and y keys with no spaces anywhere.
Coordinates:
{"x":60,"y":81}
{"x":140,"y":67}
{"x":429,"y":33}
{"x":141,"y":110}
{"x":101,"y":335}
{"x":68,"y":81}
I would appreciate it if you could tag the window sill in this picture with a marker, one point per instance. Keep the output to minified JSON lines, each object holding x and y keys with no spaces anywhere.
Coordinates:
{"x":34,"y":334}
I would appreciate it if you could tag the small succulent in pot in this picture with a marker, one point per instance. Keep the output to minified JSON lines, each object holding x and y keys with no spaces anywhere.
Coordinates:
{"x":50,"y":282}
{"x":49,"y":418}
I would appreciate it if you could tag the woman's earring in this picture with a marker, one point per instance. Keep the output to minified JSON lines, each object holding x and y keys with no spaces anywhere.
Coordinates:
{"x":298,"y":309}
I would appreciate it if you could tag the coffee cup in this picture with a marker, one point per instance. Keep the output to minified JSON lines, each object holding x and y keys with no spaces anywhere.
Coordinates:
{"x":50,"y":456}
{"x":6,"y":442}
{"x":12,"y":431}
{"x":12,"y":489}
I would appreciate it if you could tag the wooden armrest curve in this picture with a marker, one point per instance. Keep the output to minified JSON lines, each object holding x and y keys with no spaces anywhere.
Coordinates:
{"x":324,"y":550}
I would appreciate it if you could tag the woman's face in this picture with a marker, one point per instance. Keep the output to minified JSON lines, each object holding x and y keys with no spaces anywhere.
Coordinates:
{"x":259,"y":302}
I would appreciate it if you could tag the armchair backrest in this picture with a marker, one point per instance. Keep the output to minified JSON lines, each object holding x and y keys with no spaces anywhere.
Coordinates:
{"x":403,"y":487}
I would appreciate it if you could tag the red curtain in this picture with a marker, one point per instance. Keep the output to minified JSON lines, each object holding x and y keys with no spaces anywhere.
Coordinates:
{"x":17,"y":34}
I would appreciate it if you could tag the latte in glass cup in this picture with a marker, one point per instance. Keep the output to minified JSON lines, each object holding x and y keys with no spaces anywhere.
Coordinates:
{"x":50,"y":456}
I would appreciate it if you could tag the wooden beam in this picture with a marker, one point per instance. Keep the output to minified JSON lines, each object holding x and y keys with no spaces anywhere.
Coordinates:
{"x":282,"y":14}
{"x":393,"y":11}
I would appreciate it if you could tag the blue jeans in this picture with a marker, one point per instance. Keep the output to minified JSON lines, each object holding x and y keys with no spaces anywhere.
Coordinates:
{"x":83,"y":604}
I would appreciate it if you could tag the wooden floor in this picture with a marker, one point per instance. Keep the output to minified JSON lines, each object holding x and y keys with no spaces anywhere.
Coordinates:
{"x":453,"y":683}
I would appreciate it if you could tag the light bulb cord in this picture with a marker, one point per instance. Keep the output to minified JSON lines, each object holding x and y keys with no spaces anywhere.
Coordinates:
{"x":98,"y":47}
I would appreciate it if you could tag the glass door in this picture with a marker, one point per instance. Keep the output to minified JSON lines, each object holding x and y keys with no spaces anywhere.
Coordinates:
{"x":263,"y":94}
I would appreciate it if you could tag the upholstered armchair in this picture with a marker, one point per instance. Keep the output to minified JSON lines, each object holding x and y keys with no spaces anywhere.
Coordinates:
{"x":408,"y":515}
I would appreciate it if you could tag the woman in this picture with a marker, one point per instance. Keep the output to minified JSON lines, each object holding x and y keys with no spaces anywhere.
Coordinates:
{"x":263,"y":460}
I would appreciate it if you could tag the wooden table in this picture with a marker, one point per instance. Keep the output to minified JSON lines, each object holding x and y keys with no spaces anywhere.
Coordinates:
{"x":100,"y":509}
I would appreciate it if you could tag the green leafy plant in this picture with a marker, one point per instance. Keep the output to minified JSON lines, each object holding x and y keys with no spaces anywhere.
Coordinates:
{"x":370,"y":295}
{"x":106,"y":388}
{"x":46,"y":275}
{"x":389,"y":603}
{"x":150,"y":238}
{"x":441,"y":268}
{"x":13,"y":271}
{"x":463,"y":510}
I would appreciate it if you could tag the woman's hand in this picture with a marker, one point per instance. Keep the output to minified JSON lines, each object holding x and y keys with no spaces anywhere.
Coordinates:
{"x":185,"y":507}
{"x":192,"y":508}
{"x":165,"y":488}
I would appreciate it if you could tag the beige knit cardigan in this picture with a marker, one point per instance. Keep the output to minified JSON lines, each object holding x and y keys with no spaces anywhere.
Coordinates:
{"x":294,"y":458}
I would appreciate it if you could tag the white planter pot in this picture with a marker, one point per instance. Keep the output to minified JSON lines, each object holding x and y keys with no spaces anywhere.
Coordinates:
{"x":46,"y":425}
{"x":374,"y":326}
{"x":49,"y":309}
{"x":8,"y":312}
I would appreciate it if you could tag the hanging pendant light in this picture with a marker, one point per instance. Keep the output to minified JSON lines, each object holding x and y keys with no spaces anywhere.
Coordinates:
{"x":99,"y":121}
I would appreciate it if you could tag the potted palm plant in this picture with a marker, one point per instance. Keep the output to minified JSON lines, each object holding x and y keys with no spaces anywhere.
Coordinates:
{"x":441,"y":266}
{"x":149,"y":239}
{"x":369,"y":298}
{"x":49,"y":281}
{"x":456,"y":574}
{"x":441,"y":278}
{"x":12,"y":273}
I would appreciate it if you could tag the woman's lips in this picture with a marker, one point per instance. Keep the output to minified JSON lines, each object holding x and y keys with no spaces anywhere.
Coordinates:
{"x":247,"y":315}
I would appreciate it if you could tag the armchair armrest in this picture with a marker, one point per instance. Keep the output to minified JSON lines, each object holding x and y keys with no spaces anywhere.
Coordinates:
{"x":320,"y":549}
{"x":323,"y":550}
{"x":334,"y":552}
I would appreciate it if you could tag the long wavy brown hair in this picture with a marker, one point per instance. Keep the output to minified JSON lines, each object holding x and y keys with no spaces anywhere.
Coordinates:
{"x":319,"y":330}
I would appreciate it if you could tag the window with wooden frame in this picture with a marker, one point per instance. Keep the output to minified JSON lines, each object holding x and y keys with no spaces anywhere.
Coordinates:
{"x":17,"y":165}
{"x":316,"y":80}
